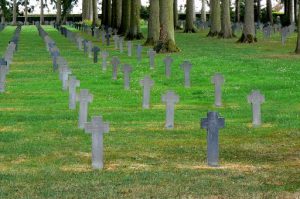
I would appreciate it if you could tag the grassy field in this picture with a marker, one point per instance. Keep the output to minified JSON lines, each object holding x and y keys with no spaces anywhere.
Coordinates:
{"x":44,"y":155}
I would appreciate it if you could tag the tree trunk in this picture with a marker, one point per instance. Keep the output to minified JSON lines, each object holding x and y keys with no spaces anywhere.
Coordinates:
{"x":14,"y":13}
{"x":84,"y":10}
{"x":175,"y":13}
{"x":269,"y":11}
{"x":125,"y":24}
{"x":298,"y":38}
{"x":248,"y":35}
{"x":58,"y":15}
{"x":189,"y":17}
{"x":237,"y":11}
{"x":166,"y":38}
{"x":42,"y":12}
{"x":116,"y":13}
{"x":108,"y":12}
{"x":104,"y":13}
{"x":258,"y":11}
{"x":215,"y":16}
{"x":90,"y":16}
{"x":134,"y":30}
{"x":95,"y":13}
{"x":296,"y":2}
{"x":203,"y":11}
{"x":226,"y":31}
{"x":153,"y":23}
{"x":291,"y":11}
{"x":26,"y":12}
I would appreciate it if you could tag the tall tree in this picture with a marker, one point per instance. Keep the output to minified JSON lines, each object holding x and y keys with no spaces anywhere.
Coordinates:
{"x":26,"y":12}
{"x":166,"y":41}
{"x":42,"y":12}
{"x":108,"y":12}
{"x":3,"y":10}
{"x":58,"y":13}
{"x":248,"y":35}
{"x":237,"y":11}
{"x":116,"y":13}
{"x":175,"y":13}
{"x":215,"y":13}
{"x":84,"y":9}
{"x":125,"y":23}
{"x":104,"y":13}
{"x":291,"y":11}
{"x":14,"y":22}
{"x":298,"y":28}
{"x":226,"y":31}
{"x":189,"y":17}
{"x":134,"y":30}
{"x":153,"y":23}
{"x":258,"y":10}
{"x":296,"y":3}
{"x":203,"y":11}
{"x":269,"y":11}
{"x":95,"y":12}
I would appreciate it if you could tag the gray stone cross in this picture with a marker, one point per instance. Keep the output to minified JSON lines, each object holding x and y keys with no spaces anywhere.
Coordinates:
{"x":89,"y":48}
{"x":218,"y":80}
{"x":170,"y":98}
{"x":147,"y":83}
{"x":139,"y":53}
{"x":54,"y":55}
{"x":256,"y":99}
{"x":168,"y":61}
{"x":115,"y":63}
{"x":212,"y":124}
{"x":84,"y":98}
{"x":127,"y":69}
{"x":85,"y":47}
{"x":64,"y":72}
{"x":121,"y":40}
{"x":129,"y":48}
{"x":104,"y":54}
{"x":3,"y":72}
{"x":116,"y":41}
{"x":151,"y":54}
{"x":96,"y":50}
{"x":97,"y":128}
{"x":186,"y":66}
{"x":73,"y":83}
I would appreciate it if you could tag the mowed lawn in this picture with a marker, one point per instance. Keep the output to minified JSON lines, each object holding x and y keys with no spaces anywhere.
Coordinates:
{"x":44,"y":155}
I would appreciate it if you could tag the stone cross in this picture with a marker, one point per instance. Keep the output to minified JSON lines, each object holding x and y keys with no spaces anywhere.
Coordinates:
{"x":116,"y":41}
{"x":168,"y":61}
{"x":85,"y":48}
{"x":218,"y":80}
{"x":107,"y":36}
{"x":104,"y":54}
{"x":151,"y":54}
{"x":84,"y":98}
{"x":72,"y":83}
{"x":256,"y":99}
{"x":147,"y":83}
{"x":3,"y":72}
{"x":127,"y":69}
{"x":103,"y":37}
{"x":115,"y":63}
{"x":54,"y":55}
{"x":129,"y":48}
{"x":170,"y":98}
{"x":95,"y":50}
{"x":121,"y":40}
{"x":186,"y":66}
{"x":139,"y":53}
{"x":90,"y":47}
{"x":212,"y":124}
{"x":65,"y":71}
{"x":97,"y":128}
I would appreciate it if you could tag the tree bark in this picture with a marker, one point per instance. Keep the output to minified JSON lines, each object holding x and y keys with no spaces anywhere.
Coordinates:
{"x":153,"y":23}
{"x":116,"y":13}
{"x":166,"y":41}
{"x":291,"y":11}
{"x":203,"y":11}
{"x":269,"y":11}
{"x":95,"y":12}
{"x":84,"y":10}
{"x":125,"y":24}
{"x":258,"y":11}
{"x":189,"y":17}
{"x":14,"y":13}
{"x":90,"y":17}
{"x":58,"y":13}
{"x":296,"y":2}
{"x":134,"y":30}
{"x":298,"y":28}
{"x":175,"y":13}
{"x":108,"y":12}
{"x":104,"y":13}
{"x":226,"y":31}
{"x":42,"y":12}
{"x":26,"y":12}
{"x":237,"y":11}
{"x":215,"y":15}
{"x":248,"y":35}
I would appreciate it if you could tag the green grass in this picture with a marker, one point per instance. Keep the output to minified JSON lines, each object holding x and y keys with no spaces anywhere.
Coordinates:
{"x":44,"y":155}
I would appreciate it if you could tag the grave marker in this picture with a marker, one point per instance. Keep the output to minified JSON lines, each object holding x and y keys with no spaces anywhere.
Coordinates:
{"x":84,"y":98}
{"x":72,"y":83}
{"x":170,"y":98}
{"x":115,"y":63}
{"x":127,"y":69}
{"x":95,"y":50}
{"x":168,"y":61}
{"x":151,"y":54}
{"x":218,"y":80}
{"x":186,"y":66}
{"x":147,"y":83}
{"x":256,"y":99}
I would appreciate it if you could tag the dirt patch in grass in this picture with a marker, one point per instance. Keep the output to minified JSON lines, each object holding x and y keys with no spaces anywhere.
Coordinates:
{"x":77,"y":168}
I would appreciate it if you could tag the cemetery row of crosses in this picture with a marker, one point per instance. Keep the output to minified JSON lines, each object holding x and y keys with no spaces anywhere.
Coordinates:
{"x":96,"y":126}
